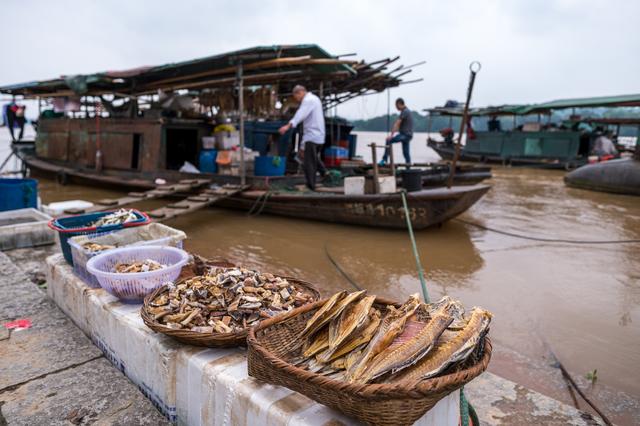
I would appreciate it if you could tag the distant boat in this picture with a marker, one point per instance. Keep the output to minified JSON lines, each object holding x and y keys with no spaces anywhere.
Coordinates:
{"x":618,"y":176}
{"x":536,"y":144}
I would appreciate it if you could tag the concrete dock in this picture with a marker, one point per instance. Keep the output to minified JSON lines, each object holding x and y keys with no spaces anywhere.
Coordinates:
{"x":55,"y":375}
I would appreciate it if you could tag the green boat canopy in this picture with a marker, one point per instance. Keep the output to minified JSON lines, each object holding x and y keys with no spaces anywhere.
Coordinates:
{"x":544,"y":108}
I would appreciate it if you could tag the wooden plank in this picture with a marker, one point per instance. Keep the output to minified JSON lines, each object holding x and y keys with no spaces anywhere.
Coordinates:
{"x":134,"y":197}
{"x":197,"y":202}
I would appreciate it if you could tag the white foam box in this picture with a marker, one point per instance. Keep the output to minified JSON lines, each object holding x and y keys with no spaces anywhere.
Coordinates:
{"x":58,"y":208}
{"x":227,"y":140}
{"x":387,"y":184}
{"x":23,"y":228}
{"x":354,"y":185}
{"x":188,"y":384}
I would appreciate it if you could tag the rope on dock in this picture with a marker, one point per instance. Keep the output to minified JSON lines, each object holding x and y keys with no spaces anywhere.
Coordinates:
{"x":545,"y":240}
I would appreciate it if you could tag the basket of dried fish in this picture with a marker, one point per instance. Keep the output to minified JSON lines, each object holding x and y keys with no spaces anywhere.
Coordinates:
{"x":94,"y":223}
{"x":382,"y":363}
{"x":217,"y":309}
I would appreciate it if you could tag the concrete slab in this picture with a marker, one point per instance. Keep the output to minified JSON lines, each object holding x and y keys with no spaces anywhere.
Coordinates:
{"x":51,"y":373}
{"x":93,"y":393}
{"x":502,"y":402}
{"x":51,"y":343}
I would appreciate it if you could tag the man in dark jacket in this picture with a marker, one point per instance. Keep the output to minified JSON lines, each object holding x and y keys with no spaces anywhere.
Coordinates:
{"x":403,"y":129}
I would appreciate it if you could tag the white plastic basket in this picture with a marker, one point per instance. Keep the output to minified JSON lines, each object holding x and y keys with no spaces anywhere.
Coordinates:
{"x":133,"y":287}
{"x":154,"y":234}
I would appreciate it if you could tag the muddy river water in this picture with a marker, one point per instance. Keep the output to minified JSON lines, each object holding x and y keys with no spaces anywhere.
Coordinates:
{"x":581,"y":300}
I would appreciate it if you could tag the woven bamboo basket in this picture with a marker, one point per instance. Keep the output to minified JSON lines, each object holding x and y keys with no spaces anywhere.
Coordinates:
{"x":271,"y":345}
{"x":214,"y":340}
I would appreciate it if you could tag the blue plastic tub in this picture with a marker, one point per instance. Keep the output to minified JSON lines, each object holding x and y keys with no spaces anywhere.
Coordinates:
{"x":270,"y":166}
{"x":207,"y":161}
{"x":72,"y":226}
{"x":336,"y":152}
{"x":18,"y":194}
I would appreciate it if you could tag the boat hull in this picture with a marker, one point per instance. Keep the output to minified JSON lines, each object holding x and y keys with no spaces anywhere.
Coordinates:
{"x":447,"y":152}
{"x":617,"y":176}
{"x":428,"y":207}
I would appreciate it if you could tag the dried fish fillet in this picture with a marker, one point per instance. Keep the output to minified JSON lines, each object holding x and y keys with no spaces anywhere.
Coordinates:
{"x":408,"y":352}
{"x":360,"y":338}
{"x":453,"y":351}
{"x":352,"y":317}
{"x":322,"y":313}
{"x":391,"y":326}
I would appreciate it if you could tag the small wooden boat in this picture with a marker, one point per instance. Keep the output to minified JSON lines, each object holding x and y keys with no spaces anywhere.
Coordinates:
{"x":427,"y":207}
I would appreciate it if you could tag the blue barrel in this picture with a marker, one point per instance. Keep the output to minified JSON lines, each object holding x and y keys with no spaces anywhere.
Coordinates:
{"x":208,"y":161}
{"x":270,"y":166}
{"x":18,"y":194}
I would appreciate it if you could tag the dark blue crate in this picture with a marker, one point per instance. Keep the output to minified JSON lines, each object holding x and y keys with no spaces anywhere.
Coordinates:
{"x":73,"y":226}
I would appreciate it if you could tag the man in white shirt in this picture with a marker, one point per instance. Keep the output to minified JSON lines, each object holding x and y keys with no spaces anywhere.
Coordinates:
{"x":311,"y":115}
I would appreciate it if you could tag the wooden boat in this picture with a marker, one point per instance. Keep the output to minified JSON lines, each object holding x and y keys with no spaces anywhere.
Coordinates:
{"x":448,"y":151}
{"x":427,"y":207}
{"x":564,"y":145}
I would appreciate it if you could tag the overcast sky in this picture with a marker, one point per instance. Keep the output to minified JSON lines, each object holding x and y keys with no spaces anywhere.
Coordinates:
{"x":530,"y":51}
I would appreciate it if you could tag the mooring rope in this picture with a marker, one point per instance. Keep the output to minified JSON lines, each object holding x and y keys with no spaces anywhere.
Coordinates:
{"x":545,"y":240}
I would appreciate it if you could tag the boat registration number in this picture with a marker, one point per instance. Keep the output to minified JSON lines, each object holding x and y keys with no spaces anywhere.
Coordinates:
{"x":370,"y":209}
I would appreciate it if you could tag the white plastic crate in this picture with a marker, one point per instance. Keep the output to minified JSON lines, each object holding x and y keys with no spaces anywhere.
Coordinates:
{"x":24,"y":228}
{"x":354,"y":185}
{"x":154,"y":234}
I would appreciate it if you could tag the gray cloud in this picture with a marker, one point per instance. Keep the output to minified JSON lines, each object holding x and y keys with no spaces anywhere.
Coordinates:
{"x":530,"y":50}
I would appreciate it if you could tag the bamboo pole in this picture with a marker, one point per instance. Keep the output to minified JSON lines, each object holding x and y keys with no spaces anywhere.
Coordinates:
{"x":374,"y":159}
{"x":474,"y":67}
{"x":243,"y":174}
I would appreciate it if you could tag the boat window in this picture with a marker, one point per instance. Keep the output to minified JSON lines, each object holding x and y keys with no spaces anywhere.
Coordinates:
{"x":181,"y":146}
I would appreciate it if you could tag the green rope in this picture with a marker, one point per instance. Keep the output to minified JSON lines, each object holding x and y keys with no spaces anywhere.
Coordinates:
{"x":423,"y":283}
{"x":464,"y":409}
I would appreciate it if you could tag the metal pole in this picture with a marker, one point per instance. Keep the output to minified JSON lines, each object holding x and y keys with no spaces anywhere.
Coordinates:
{"x":243,"y":174}
{"x":392,"y":163}
{"x":474,"y":67}
{"x":388,"y":111}
{"x":376,"y":183}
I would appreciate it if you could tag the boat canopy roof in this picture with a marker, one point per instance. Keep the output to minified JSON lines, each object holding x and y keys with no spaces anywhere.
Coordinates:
{"x":339,"y":77}
{"x":543,"y":108}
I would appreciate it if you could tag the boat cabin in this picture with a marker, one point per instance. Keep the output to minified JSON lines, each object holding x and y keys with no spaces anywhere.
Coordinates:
{"x":528,"y":134}
{"x":176,"y":116}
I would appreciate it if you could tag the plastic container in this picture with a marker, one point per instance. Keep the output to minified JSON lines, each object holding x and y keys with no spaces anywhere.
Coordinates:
{"x":208,"y":142}
{"x":336,"y":152}
{"x":133,"y":287}
{"x":207,"y":161}
{"x":18,"y":194}
{"x":72,"y":226}
{"x":24,"y":228}
{"x":154,"y":234}
{"x":270,"y":166}
{"x":411,"y":179}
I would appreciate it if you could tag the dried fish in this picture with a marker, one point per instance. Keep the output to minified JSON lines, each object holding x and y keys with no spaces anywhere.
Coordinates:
{"x":391,"y":326}
{"x":116,"y":218}
{"x":218,"y":301}
{"x":134,"y":267}
{"x":95,"y":247}
{"x":453,"y":351}
{"x":409,"y":349}
{"x":346,"y":339}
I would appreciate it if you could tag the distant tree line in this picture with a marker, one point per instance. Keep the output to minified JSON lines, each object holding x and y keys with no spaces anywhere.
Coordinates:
{"x":420,"y":121}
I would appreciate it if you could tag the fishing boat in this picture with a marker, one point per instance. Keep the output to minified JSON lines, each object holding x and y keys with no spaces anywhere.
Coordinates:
{"x":135,"y":128}
{"x":539,"y":143}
